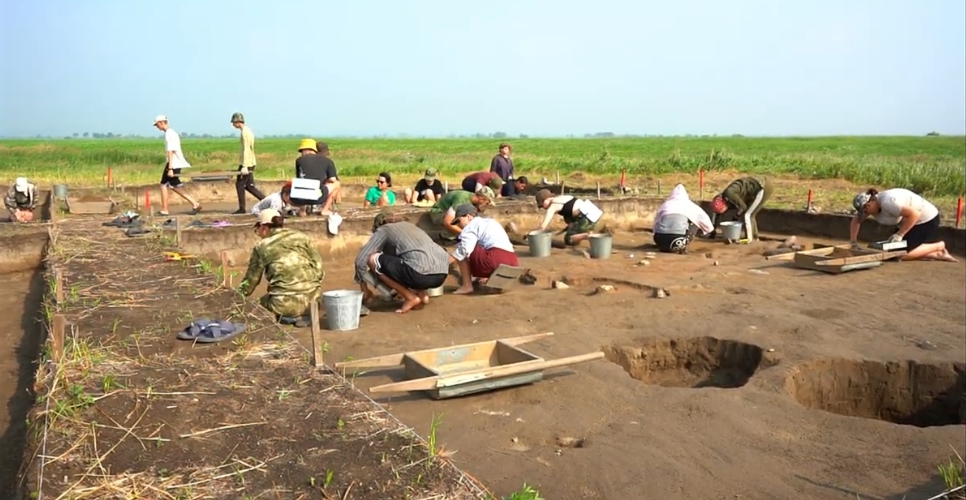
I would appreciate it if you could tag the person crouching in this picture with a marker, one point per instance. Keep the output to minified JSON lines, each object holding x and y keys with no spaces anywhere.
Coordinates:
{"x":482,"y":247}
{"x":404,"y":258}
{"x":677,"y":221}
{"x":580,"y":215}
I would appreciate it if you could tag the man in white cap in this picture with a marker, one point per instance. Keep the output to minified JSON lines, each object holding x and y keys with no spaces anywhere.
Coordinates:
{"x":21,"y":200}
{"x":172,"y":167}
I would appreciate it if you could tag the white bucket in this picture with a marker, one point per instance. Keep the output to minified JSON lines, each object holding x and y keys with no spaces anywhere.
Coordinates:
{"x":342,"y":309}
{"x":731,"y":230}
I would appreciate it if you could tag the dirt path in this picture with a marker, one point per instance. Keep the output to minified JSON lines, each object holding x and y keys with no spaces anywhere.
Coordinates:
{"x":20,"y":333}
{"x":694,"y":412}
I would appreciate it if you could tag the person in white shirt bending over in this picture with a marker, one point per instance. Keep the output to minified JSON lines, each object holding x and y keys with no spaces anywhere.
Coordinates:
{"x":482,"y":247}
{"x":916,"y":218}
{"x":580,"y":215}
{"x":280,"y":201}
{"x":172,"y":168}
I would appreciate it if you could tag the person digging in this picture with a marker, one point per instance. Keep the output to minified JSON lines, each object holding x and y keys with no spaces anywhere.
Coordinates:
{"x":21,"y":200}
{"x":581,"y":215}
{"x":483,"y":247}
{"x":402,"y":257}
{"x":444,"y":211}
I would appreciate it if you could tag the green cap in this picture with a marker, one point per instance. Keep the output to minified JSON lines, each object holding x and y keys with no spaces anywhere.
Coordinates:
{"x":237,"y":118}
{"x":431,"y":173}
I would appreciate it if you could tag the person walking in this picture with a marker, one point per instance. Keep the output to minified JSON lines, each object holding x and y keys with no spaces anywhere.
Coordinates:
{"x":245,"y":181}
{"x":172,"y":168}
{"x":502,"y":165}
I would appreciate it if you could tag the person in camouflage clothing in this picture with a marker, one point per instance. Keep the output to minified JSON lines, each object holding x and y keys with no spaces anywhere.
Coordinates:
{"x":292,"y":266}
{"x":746,"y":196}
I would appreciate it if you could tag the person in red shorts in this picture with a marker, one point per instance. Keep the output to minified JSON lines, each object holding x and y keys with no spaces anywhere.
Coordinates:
{"x":483,"y":245}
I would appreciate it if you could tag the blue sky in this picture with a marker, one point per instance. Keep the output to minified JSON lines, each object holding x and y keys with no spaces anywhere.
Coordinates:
{"x":434,"y":67}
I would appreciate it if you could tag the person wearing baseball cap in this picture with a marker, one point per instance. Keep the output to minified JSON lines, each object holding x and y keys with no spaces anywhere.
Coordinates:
{"x":21,"y":200}
{"x":581,"y":215}
{"x":482,"y":247}
{"x":917,"y":221}
{"x":747,"y":196}
{"x":443,"y":213}
{"x":402,"y":257}
{"x":245,"y":180}
{"x":291,"y":266}
{"x":427,"y":190}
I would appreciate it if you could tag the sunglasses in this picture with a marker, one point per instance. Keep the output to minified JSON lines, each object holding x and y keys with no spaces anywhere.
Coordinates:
{"x":380,"y":181}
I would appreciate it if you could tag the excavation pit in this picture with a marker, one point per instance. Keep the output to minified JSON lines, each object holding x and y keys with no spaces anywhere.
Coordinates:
{"x":689,"y":362}
{"x":902,"y":392}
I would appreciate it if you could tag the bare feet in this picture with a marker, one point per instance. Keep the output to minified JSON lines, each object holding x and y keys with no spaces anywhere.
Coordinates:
{"x":946,"y":256}
{"x":409,"y":305}
{"x":423,"y":297}
{"x":463,"y":290}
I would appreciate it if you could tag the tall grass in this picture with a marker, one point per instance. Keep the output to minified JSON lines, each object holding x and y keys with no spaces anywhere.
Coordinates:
{"x":930,"y":165}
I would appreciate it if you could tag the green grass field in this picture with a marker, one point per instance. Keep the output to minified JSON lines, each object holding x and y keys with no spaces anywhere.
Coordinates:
{"x":933,"y":166}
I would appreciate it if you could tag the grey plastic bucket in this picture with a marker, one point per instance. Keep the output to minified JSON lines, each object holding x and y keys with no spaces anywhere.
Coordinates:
{"x":731,"y":230}
{"x":540,"y":243}
{"x":60,"y":191}
{"x":600,"y":245}
{"x":342,"y":309}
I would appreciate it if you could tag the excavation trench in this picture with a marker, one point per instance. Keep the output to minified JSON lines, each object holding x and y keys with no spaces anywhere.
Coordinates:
{"x":690,"y":362}
{"x":901,"y":392}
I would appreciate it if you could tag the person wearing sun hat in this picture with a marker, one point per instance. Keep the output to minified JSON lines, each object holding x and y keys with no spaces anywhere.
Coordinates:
{"x":916,"y":220}
{"x":427,"y":190}
{"x":747,"y":196}
{"x":291,"y":265}
{"x":21,"y":200}
{"x":443,"y":213}
{"x":312,"y":165}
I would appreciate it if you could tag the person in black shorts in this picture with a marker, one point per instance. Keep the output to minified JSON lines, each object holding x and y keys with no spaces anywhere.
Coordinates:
{"x":404,"y":258}
{"x":313,"y":164}
{"x":427,"y":190}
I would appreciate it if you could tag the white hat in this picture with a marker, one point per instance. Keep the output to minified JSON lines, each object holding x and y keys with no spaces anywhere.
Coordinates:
{"x":21,"y":185}
{"x":159,"y":118}
{"x":266,"y":216}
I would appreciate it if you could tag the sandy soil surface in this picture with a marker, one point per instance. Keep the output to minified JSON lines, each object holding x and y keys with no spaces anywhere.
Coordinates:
{"x":695,"y":426}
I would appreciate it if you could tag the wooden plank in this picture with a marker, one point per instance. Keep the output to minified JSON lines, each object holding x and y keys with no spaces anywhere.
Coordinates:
{"x":217,"y":173}
{"x":503,"y":277}
{"x":317,"y":342}
{"x":391,"y":360}
{"x":825,"y":250}
{"x":58,"y":286}
{"x":58,"y":326}
{"x":499,"y":371}
{"x":225,"y":275}
{"x":486,"y":385}
{"x":386,"y":361}
{"x":859,"y":259}
{"x":177,"y":232}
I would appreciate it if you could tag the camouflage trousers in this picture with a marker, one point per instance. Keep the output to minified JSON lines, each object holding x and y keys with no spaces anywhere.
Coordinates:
{"x":292,"y":306}
{"x":580,"y":226}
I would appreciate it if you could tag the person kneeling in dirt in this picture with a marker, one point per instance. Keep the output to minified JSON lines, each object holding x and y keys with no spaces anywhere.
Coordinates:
{"x":515,"y":189}
{"x":677,"y":221}
{"x":291,"y":265}
{"x":443,"y":213}
{"x":916,"y":218}
{"x":404,"y":258}
{"x":580,"y":215}
{"x":280,"y":201}
{"x":746,"y":196}
{"x":21,"y":200}
{"x":483,"y":246}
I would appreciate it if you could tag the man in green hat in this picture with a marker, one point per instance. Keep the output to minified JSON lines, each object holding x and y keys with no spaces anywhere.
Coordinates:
{"x":246,"y":164}
{"x":427,"y":190}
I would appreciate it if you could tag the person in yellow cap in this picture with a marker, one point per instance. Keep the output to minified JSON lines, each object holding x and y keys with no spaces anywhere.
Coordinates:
{"x":318,"y":166}
{"x":290,"y":264}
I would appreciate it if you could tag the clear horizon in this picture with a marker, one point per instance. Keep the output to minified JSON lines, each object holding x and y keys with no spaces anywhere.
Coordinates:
{"x":544,"y":69}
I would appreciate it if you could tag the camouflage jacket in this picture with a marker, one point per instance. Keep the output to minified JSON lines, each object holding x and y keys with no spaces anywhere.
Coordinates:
{"x":742,"y":192}
{"x":14,"y":199}
{"x":289,"y":262}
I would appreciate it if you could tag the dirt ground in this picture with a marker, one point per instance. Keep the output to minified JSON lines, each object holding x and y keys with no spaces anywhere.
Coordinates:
{"x":20,"y":334}
{"x":720,"y":366}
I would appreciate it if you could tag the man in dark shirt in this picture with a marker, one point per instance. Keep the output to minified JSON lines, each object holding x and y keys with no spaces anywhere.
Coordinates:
{"x":502,"y":165}
{"x":427,"y":190}
{"x":515,"y":189}
{"x":318,"y":166}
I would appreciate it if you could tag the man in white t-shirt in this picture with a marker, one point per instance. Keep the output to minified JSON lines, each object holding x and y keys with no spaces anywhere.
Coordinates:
{"x":172,"y":168}
{"x":280,"y":201}
{"x":483,"y":246}
{"x":916,"y":220}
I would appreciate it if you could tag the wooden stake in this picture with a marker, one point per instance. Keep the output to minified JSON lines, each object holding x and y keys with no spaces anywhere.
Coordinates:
{"x":317,"y":343}
{"x":446,"y":187}
{"x":598,"y":190}
{"x":58,"y":287}
{"x":556,"y":177}
{"x":225,"y":275}
{"x":57,"y":327}
{"x":562,"y":187}
{"x":177,"y":231}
